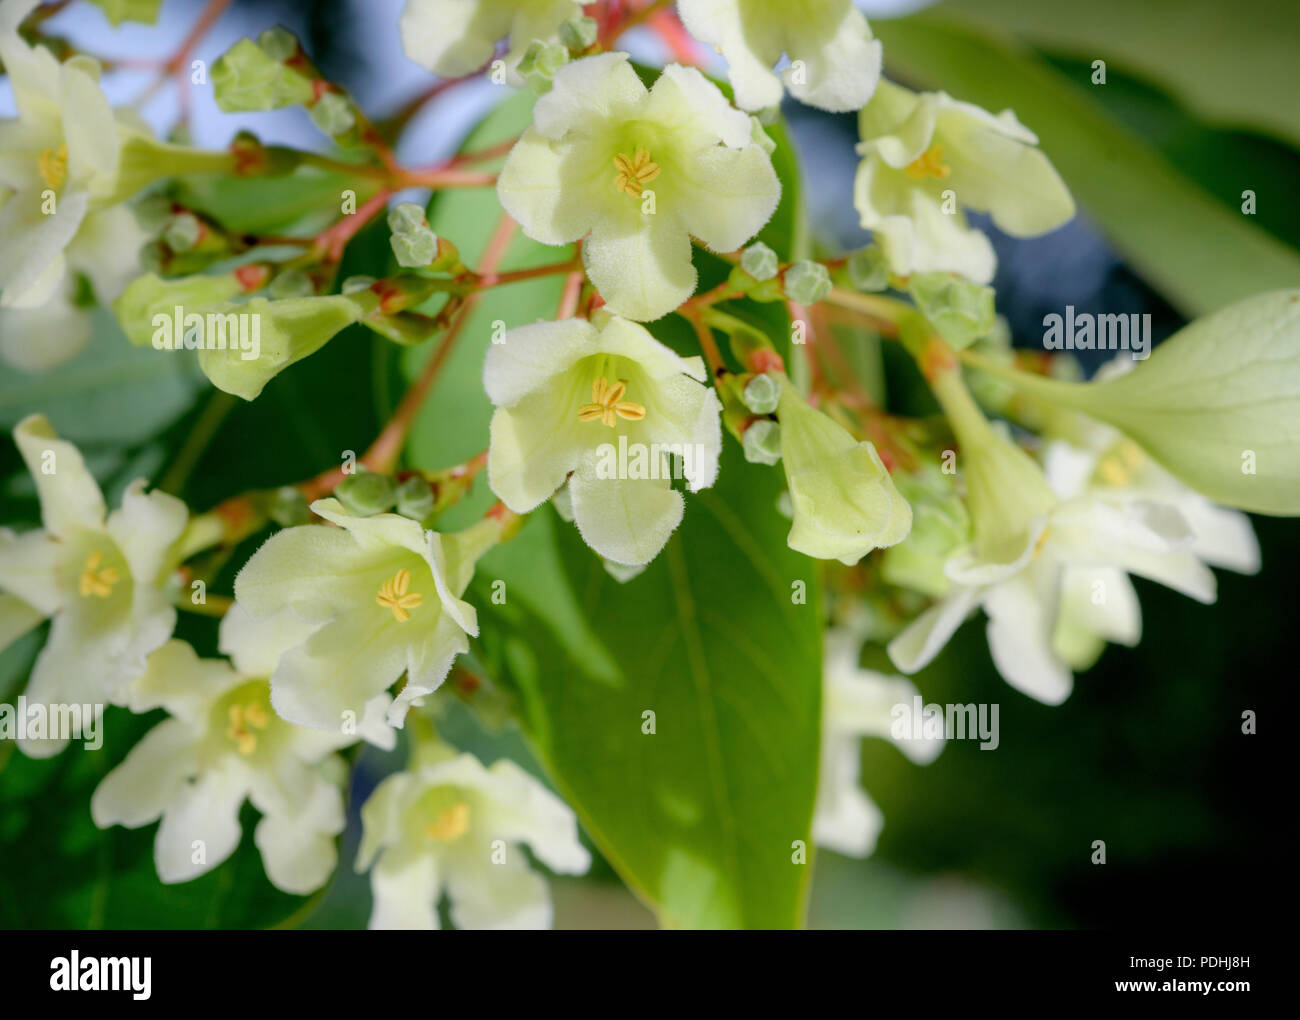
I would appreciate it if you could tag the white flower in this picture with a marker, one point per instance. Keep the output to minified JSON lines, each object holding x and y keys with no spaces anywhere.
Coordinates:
{"x":569,"y":396}
{"x":222,"y":744}
{"x":856,"y":703}
{"x":640,"y":171}
{"x":61,"y":162}
{"x":1098,"y":604}
{"x":452,"y":824}
{"x":834,"y":61}
{"x":381,"y":596}
{"x":98,"y":575}
{"x":927,"y":158}
{"x":453,"y":38}
{"x":1022,"y":597}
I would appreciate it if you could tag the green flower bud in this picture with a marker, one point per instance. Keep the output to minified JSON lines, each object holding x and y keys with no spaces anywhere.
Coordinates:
{"x":807,"y":282}
{"x":333,"y":114}
{"x":762,"y":393}
{"x":367,"y":493}
{"x":578,"y":33}
{"x":415,"y":499}
{"x":760,"y":261}
{"x":540,"y":62}
{"x":289,"y":507}
{"x":868,"y":269}
{"x":406,"y":217}
{"x":762,"y":442}
{"x":961,"y":311}
{"x":415,"y":248}
{"x":278,"y":43}
{"x":246,"y":78}
{"x":182,"y":231}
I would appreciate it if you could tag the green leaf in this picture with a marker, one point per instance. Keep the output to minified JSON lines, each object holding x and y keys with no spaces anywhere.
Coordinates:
{"x":1234,"y":64}
{"x":60,"y":871}
{"x":700,"y":818}
{"x":1196,"y":251}
{"x":111,"y":393}
{"x":1218,"y":403}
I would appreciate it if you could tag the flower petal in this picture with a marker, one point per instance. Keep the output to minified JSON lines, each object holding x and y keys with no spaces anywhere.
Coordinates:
{"x":70,"y":497}
{"x":625,"y":520}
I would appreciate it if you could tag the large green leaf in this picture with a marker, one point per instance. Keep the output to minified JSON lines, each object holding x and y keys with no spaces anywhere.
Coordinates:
{"x":1234,"y":64}
{"x":701,"y":817}
{"x":1198,"y":252}
{"x":1218,"y":403}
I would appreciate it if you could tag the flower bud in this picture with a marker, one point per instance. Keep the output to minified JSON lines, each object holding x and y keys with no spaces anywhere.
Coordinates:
{"x":760,"y":261}
{"x":868,"y":269}
{"x":415,"y":499}
{"x":762,"y":442}
{"x":959,"y":310}
{"x":807,"y":282}
{"x":762,"y":393}
{"x":367,"y":493}
{"x":844,"y":502}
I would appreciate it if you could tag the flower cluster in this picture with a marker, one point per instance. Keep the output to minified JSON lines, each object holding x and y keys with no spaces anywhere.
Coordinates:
{"x":678,"y":321}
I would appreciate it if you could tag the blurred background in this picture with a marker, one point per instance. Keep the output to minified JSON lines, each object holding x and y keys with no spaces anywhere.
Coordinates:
{"x":1147,"y":754}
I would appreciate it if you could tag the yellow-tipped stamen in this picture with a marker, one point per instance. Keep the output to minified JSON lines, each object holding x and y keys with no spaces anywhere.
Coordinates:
{"x":608,"y":404}
{"x":393,"y":595}
{"x":242,"y":717}
{"x":635,"y":173}
{"x":928,"y":164}
{"x":450,"y":824}
{"x":97,"y":581}
{"x":53,"y":166}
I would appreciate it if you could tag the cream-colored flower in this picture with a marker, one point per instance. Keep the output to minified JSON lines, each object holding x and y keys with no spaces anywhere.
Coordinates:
{"x":453,"y":38}
{"x":926,"y":158}
{"x":381,"y":597}
{"x":98,"y":575}
{"x":638,"y":172}
{"x":609,"y":406}
{"x":452,"y":824}
{"x":834,"y":61}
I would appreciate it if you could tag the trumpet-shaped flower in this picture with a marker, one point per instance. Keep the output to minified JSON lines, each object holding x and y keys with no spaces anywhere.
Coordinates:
{"x":67,"y":162}
{"x":452,"y":824}
{"x":844,"y":501}
{"x":1098,"y":604}
{"x":856,"y":703}
{"x":98,"y":575}
{"x":638,"y":172}
{"x":221,"y":744}
{"x":1026,"y":540}
{"x":382,"y":597}
{"x":453,"y":38}
{"x":834,"y":61}
{"x":927,"y":158}
{"x":607,"y":405}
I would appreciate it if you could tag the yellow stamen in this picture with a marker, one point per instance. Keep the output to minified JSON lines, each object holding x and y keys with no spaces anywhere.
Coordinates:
{"x":928,"y":164}
{"x":608,"y":404}
{"x":53,"y":166}
{"x":635,"y":173}
{"x":1120,"y":465}
{"x":1042,"y":541}
{"x":241,"y":718}
{"x":450,"y":824}
{"x":96,"y":581}
{"x":393,"y":595}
